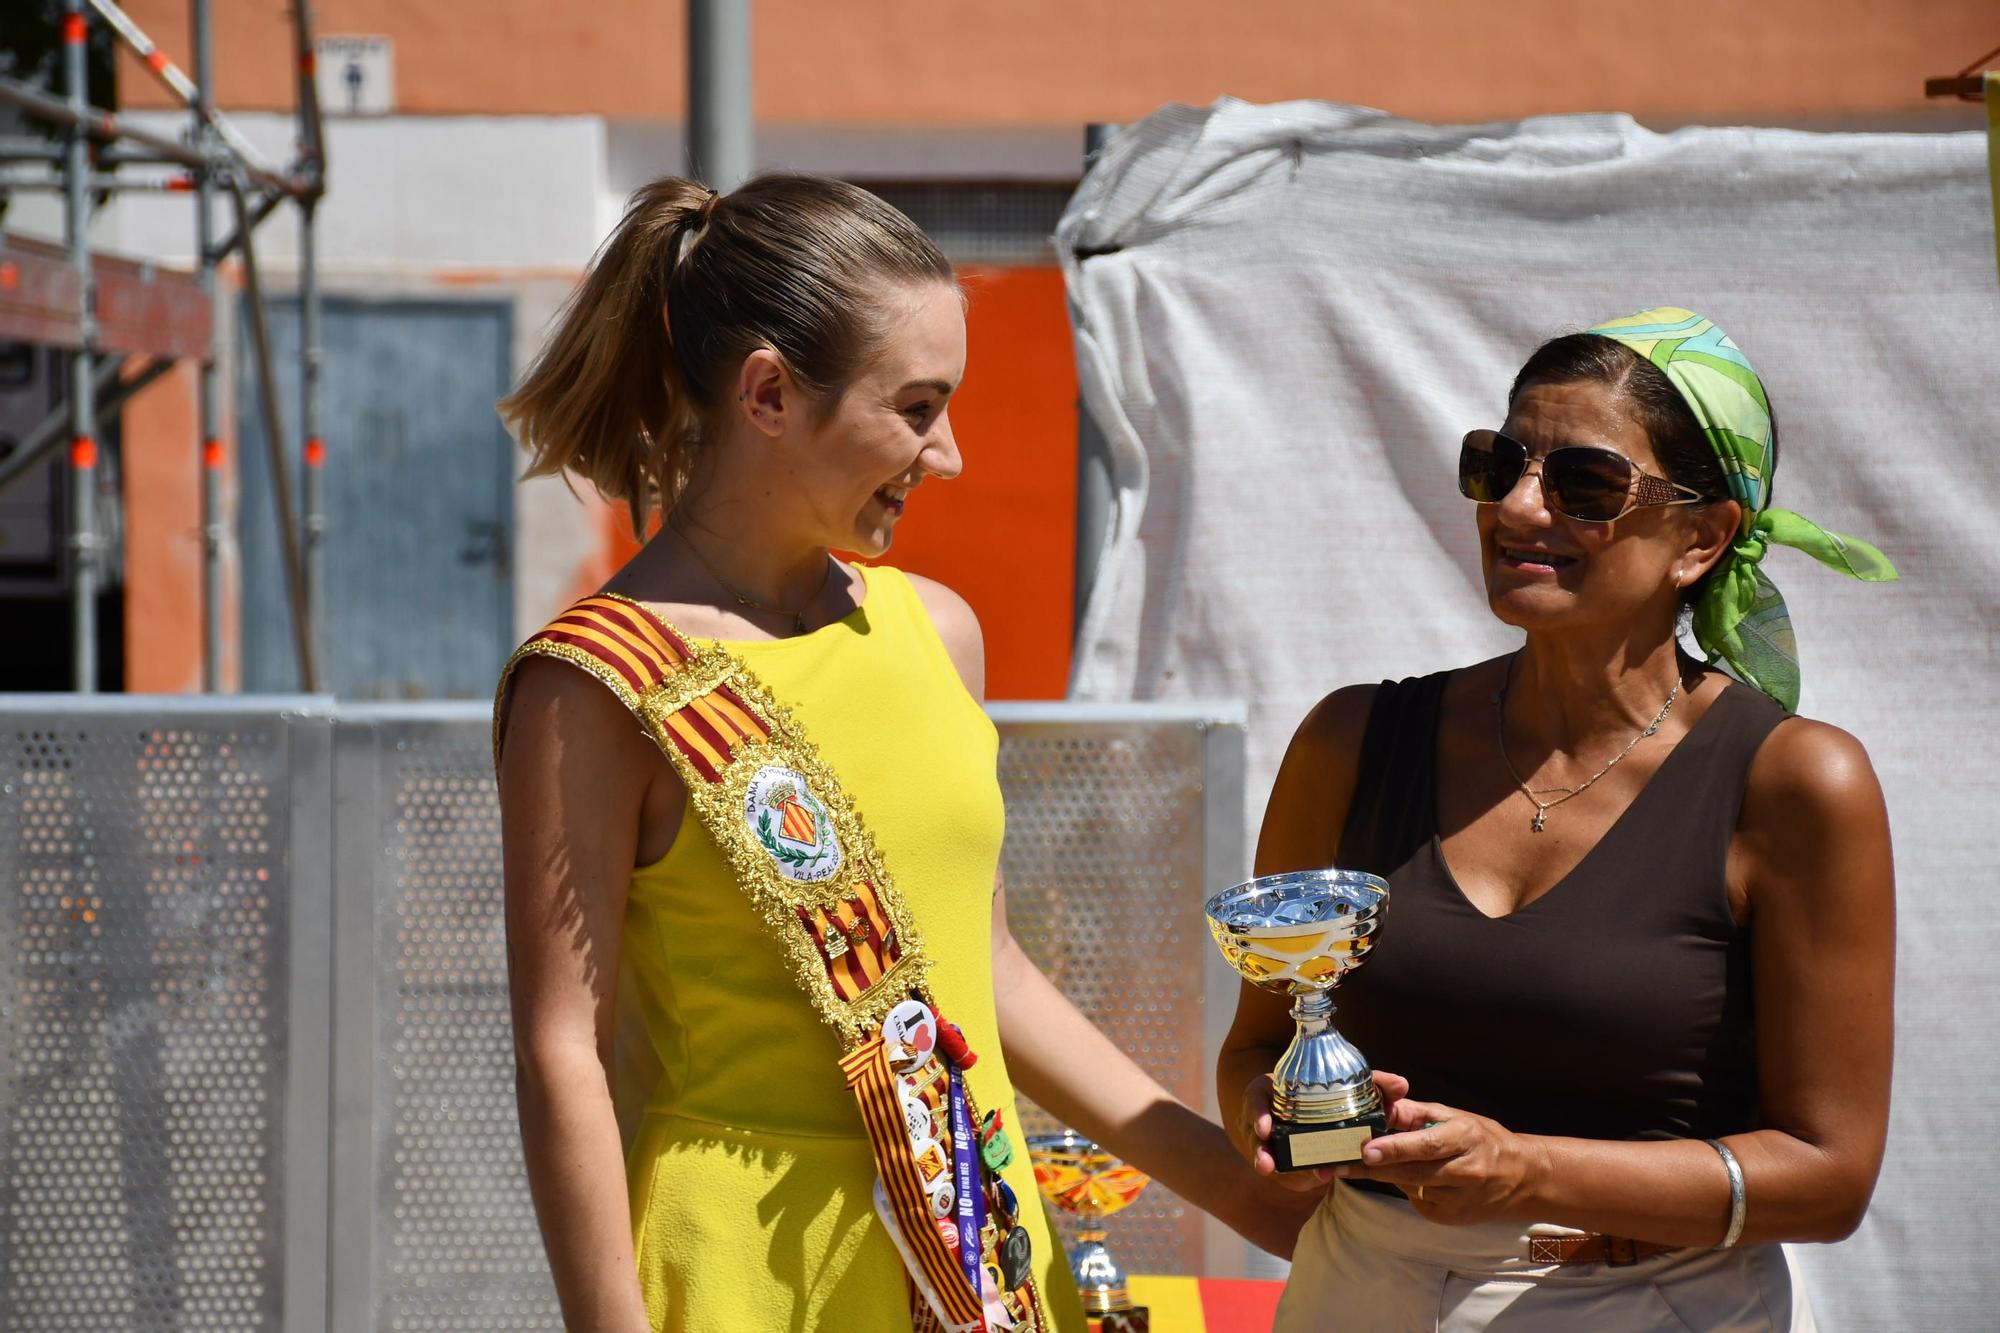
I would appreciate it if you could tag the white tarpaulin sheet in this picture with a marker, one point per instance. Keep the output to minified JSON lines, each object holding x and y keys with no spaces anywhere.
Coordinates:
{"x":1286,"y":316}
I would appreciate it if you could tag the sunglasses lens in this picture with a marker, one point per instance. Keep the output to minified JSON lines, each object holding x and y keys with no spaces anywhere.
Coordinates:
{"x":1587,"y":483}
{"x":1489,"y":465}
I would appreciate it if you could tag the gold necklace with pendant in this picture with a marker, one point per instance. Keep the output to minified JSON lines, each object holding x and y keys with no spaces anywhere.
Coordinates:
{"x":1535,"y":794}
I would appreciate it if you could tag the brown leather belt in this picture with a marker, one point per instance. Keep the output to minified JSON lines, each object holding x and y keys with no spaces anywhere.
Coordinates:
{"x":1591,"y":1249}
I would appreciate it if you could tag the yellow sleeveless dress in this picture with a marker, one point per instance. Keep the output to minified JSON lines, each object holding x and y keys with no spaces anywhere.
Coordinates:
{"x":750,"y":1173}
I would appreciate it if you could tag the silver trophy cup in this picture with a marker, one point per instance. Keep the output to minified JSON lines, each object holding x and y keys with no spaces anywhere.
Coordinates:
{"x":1298,"y":933}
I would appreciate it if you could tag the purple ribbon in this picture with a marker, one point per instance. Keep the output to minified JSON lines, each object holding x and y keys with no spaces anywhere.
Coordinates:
{"x":965,"y":1172}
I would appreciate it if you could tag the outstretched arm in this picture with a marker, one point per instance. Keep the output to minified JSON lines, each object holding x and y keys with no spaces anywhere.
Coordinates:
{"x":1069,"y":1067}
{"x":1072,"y":1070}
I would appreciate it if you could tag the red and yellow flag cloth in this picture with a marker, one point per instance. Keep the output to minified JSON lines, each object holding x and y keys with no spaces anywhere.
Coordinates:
{"x":798,"y":849}
{"x":1205,"y":1305}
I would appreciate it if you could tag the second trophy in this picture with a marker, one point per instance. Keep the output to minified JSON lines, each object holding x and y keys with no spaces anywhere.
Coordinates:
{"x":1090,"y":1185}
{"x":1298,"y":933}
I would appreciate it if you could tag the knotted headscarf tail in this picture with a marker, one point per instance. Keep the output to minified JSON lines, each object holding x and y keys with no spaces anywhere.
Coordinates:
{"x":1741,"y":620}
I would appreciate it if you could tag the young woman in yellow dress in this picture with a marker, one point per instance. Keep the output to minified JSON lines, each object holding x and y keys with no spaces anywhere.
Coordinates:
{"x":774,"y":369}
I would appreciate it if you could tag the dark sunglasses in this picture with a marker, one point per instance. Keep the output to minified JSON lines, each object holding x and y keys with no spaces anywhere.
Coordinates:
{"x":1586,"y":482}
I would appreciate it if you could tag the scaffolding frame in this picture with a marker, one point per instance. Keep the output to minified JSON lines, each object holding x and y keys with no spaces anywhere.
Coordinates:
{"x":214,"y":159}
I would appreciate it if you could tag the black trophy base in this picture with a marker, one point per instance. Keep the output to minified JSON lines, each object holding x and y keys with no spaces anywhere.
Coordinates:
{"x":1134,"y":1320}
{"x":1308,"y":1147}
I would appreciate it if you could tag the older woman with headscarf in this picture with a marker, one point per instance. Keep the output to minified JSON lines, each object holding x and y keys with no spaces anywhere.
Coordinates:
{"x":1640,"y":964}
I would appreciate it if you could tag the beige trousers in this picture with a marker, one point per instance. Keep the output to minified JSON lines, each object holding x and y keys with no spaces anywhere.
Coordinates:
{"x":1368,"y":1262}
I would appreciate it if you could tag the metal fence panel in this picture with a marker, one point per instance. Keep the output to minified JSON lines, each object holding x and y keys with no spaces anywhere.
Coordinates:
{"x":259,"y":1070}
{"x":158,"y":1116}
{"x":438,"y":1230}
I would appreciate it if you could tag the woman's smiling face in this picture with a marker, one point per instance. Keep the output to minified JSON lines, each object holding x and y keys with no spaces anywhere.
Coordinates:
{"x":891,"y":428}
{"x":1545,"y":570}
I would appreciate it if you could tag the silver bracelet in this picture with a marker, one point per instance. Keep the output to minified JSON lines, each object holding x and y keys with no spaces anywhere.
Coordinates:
{"x":1736,"y":1200}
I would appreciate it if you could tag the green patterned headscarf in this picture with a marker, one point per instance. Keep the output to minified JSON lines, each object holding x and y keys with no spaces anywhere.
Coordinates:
{"x":1740,"y":619}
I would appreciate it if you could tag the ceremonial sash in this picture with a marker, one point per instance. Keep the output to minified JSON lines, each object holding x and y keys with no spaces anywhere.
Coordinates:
{"x":800,"y":851}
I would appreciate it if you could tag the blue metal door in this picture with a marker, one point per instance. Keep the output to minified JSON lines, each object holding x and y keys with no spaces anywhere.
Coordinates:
{"x":419,"y":501}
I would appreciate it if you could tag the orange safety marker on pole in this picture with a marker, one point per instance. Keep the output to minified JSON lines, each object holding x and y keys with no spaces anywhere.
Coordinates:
{"x":315,"y":452}
{"x":83,"y":453}
{"x":170,"y":74}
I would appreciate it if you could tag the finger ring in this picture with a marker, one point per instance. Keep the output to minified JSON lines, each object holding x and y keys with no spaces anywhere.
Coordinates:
{"x":1420,"y":1191}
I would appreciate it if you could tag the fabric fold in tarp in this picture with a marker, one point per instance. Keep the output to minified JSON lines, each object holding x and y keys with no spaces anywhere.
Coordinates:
{"x":1286,"y":316}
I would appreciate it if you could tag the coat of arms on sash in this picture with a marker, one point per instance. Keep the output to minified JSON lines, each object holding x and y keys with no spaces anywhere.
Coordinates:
{"x":791,"y":824}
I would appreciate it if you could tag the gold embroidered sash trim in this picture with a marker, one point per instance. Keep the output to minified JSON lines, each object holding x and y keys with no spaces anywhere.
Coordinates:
{"x":801,"y":851}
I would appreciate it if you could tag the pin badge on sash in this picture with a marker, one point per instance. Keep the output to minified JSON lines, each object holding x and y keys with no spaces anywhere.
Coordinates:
{"x":909,"y":1034}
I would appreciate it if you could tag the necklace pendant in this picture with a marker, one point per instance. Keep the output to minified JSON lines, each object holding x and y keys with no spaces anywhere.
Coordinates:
{"x":1541,"y":818}
{"x":799,"y":622}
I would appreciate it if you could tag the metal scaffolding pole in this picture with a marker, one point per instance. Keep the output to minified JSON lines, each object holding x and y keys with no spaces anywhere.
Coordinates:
{"x":313,"y":484}
{"x":274,"y":443}
{"x":217,"y":158}
{"x":82,"y":386}
{"x":721,"y":128}
{"x":109,"y":127}
{"x":111,"y":395}
{"x":210,"y":444}
{"x":168,"y":73}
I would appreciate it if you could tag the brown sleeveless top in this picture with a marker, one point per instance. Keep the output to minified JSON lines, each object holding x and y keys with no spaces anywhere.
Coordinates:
{"x":1615,"y":1006}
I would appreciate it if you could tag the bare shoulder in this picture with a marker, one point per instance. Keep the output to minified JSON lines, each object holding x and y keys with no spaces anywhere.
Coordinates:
{"x":958,"y":626}
{"x":1808,"y":770}
{"x":1331,"y":733}
{"x":552,"y":708}
{"x":1814,"y":830}
{"x":1315,"y":783}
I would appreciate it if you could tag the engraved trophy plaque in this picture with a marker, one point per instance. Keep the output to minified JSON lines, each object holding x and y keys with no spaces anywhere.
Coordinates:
{"x":1090,"y":1185}
{"x":1298,"y":933}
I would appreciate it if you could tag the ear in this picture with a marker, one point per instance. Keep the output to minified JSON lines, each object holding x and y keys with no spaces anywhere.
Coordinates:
{"x":1711,"y":534}
{"x":766,"y":394}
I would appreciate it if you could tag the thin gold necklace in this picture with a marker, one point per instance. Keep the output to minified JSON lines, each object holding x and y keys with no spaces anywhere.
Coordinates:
{"x":1535,"y":794}
{"x":798,"y":617}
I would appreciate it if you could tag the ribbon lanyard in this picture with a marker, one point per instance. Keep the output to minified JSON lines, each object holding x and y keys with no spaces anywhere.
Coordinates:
{"x":965,"y":1171}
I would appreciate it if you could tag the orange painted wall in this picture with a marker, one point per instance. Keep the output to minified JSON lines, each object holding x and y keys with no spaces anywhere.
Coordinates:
{"x":1067,"y":62}
{"x":1003,"y":533}
{"x":163,"y":584}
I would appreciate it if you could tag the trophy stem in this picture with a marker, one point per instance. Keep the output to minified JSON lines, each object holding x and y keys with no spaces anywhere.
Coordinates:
{"x":1313,"y":1010}
{"x":1321,"y":1078}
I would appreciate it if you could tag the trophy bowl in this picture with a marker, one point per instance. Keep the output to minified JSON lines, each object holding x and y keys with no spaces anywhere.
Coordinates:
{"x":1298,"y":933}
{"x":1090,"y":1185}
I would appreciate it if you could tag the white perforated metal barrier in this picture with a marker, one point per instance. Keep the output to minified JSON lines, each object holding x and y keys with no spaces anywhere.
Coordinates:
{"x":163,"y":1092}
{"x":257,"y":1070}
{"x":433,"y":1222}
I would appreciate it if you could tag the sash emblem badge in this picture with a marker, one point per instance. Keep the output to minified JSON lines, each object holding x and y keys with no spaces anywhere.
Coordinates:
{"x":791,"y":825}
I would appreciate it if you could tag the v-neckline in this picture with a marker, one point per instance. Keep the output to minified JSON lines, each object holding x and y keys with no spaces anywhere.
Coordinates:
{"x":1590,"y":854}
